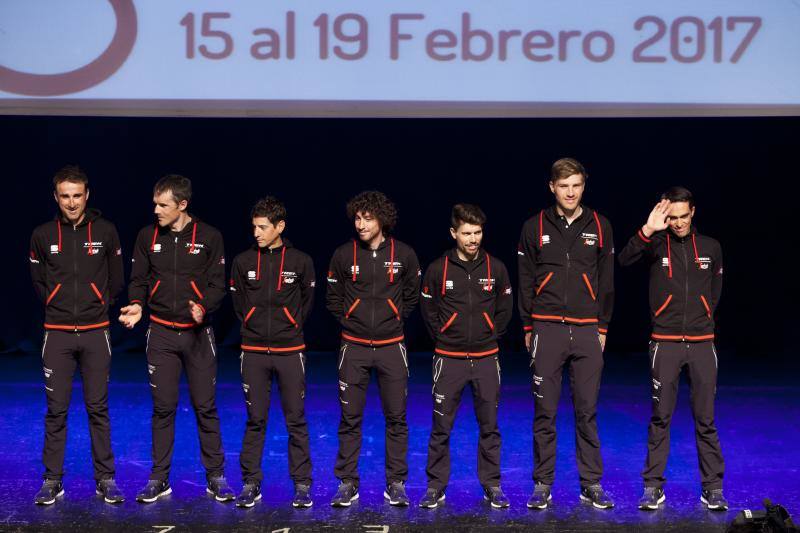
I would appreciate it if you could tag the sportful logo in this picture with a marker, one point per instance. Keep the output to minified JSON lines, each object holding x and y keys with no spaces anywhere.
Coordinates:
{"x":86,"y":77}
{"x":448,"y":285}
{"x":665,"y":261}
{"x":545,"y":239}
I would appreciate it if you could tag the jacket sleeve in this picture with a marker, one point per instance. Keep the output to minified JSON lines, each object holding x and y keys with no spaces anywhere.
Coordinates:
{"x":140,"y":271}
{"x":605,"y":277}
{"x":716,"y":279}
{"x":638,"y":246}
{"x":38,"y":267}
{"x":116,"y":270}
{"x":431,"y":298}
{"x":527,"y":253}
{"x":334,"y":296}
{"x":238,"y":292}
{"x":411,"y":282}
{"x":308,"y":283}
{"x":504,"y":306}
{"x":215,"y":274}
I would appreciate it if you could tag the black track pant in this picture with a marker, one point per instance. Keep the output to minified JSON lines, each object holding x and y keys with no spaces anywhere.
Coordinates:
{"x":169,"y":350}
{"x":450,"y":376}
{"x":554,"y":345}
{"x":62,"y":352}
{"x":391,"y":366}
{"x":666,"y":361}
{"x":290,"y":373}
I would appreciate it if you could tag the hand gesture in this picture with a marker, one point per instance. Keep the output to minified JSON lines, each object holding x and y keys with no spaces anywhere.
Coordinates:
{"x":130,"y":315}
{"x":657,"y":221}
{"x":197,"y":312}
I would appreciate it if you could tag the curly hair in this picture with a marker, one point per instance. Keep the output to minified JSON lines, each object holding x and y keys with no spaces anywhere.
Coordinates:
{"x":271,"y":208}
{"x":376,"y":204}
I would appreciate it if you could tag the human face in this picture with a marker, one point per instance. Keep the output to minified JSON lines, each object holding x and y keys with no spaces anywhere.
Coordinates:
{"x":568,"y":192}
{"x":368,"y":227}
{"x":167,"y":210}
{"x":267,"y":234}
{"x":468,"y":239}
{"x":680,"y":218}
{"x":71,"y":199}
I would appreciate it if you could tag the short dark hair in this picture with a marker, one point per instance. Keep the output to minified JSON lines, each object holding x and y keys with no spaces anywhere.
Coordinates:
{"x":376,"y":204}
{"x":566,"y":167}
{"x":179,"y":186}
{"x":678,"y":194}
{"x":269,"y":207}
{"x":72,"y":174}
{"x":466,"y":214}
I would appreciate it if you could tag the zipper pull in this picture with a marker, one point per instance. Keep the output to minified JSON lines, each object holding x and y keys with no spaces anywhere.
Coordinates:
{"x":374,"y":254}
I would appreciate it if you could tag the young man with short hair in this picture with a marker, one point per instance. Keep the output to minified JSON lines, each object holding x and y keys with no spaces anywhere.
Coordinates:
{"x":373,"y":285}
{"x":566,"y":286}
{"x":76,"y":267}
{"x":179,"y":271}
{"x":272,"y":285}
{"x":467,"y":305}
{"x":685,"y":288}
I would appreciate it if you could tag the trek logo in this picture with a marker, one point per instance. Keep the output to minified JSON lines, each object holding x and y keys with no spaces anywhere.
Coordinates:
{"x":245,"y":388}
{"x":393,"y":267}
{"x":704,"y":263}
{"x":47,"y":372}
{"x":439,"y":397}
{"x":589,"y":239}
{"x":485,"y":283}
{"x":93,"y":247}
{"x":195,"y":248}
{"x":289,"y":277}
{"x":545,"y":239}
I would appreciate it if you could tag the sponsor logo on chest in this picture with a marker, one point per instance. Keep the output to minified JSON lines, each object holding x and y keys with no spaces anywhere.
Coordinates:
{"x":704,"y":263}
{"x":395,"y":267}
{"x":545,"y":239}
{"x":589,"y":239}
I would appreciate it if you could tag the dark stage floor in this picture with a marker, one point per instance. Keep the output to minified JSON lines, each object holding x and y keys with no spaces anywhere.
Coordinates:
{"x":758,"y":413}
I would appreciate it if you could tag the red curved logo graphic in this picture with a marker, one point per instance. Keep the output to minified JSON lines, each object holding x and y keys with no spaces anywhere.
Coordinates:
{"x":87,"y":76}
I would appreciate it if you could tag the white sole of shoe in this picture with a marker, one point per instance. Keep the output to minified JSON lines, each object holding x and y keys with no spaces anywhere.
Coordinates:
{"x":496,"y":506}
{"x":545,"y":506}
{"x":396,"y":503}
{"x":434,"y":505}
{"x":651,"y":507}
{"x":345,"y":504}
{"x":99,"y":493}
{"x":249,"y":504}
{"x":228,"y":499}
{"x":712,"y":507}
{"x":52,"y":501}
{"x":157,"y":496}
{"x":596,"y":505}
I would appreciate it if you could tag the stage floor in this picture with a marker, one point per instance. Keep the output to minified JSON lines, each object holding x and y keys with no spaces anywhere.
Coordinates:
{"x":758,"y":409}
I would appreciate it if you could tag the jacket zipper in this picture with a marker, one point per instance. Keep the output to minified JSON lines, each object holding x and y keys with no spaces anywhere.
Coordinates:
{"x":175,"y":277}
{"x":469,"y":315}
{"x":374,"y":282}
{"x":686,"y":288}
{"x":566,"y":289}
{"x":75,"y":275}
{"x":269,"y":295}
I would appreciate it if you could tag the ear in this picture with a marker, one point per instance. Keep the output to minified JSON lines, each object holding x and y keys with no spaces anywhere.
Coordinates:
{"x":183,"y":204}
{"x":552,"y":187}
{"x":55,"y":196}
{"x":87,"y":194}
{"x":280,"y":226}
{"x":452,"y":233}
{"x":692,"y":211}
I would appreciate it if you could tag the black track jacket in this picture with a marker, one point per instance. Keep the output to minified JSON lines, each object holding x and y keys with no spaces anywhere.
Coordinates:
{"x":77,"y":271}
{"x":685,"y":282}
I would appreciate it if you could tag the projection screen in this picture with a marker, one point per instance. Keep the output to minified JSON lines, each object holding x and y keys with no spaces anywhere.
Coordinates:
{"x":400,"y":57}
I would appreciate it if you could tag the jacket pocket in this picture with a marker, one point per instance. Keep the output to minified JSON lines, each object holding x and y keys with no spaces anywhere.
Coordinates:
{"x":290,"y":317}
{"x":589,"y":286}
{"x":154,"y":289}
{"x":352,"y":308}
{"x":97,"y":293}
{"x":196,"y":290}
{"x":449,"y":322}
{"x":488,"y":320}
{"x":53,"y":294}
{"x":544,"y":282}
{"x":249,"y":314}
{"x":394,"y":308}
{"x":705,"y":304}
{"x":664,"y":305}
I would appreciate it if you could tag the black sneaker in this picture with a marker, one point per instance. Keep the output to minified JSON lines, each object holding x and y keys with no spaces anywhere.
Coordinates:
{"x":154,"y":489}
{"x":302,"y":496}
{"x":251,"y":493}
{"x":107,"y":488}
{"x":220,"y":489}
{"x":652,"y":498}
{"x":433,"y":498}
{"x":396,"y":494}
{"x":346,"y":494}
{"x":495,"y":496}
{"x":597,"y":496}
{"x":51,"y":489}
{"x":541,"y":497}
{"x":714,"y":500}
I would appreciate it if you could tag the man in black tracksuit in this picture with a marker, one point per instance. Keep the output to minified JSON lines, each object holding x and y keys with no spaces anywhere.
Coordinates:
{"x":272,"y":285}
{"x":76,"y":266}
{"x":566,"y":286}
{"x":685,"y":288}
{"x":179,"y":271}
{"x":373,"y":285}
{"x":466,"y":304}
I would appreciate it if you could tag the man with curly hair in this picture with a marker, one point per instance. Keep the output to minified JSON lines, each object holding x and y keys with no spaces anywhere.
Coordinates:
{"x":373,"y":285}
